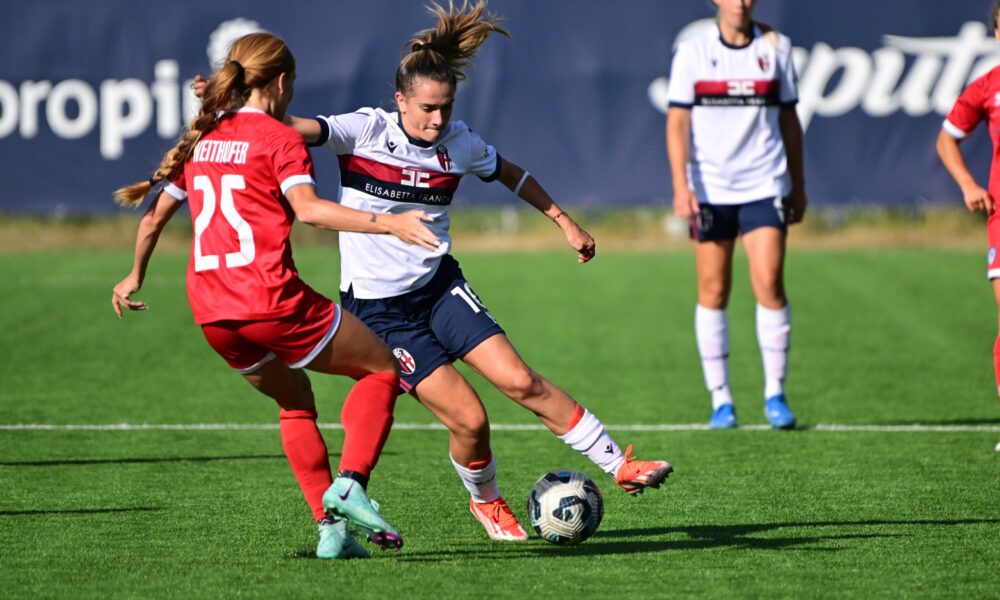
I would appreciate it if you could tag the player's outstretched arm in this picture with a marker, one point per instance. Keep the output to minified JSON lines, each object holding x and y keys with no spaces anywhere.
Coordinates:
{"x":528,"y":189}
{"x":975,"y":197}
{"x":150,"y":227}
{"x":309,"y":129}
{"x":313,"y":210}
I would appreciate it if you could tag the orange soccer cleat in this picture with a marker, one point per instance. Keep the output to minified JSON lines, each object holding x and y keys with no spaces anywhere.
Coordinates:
{"x":500,"y":523}
{"x":635,"y":475}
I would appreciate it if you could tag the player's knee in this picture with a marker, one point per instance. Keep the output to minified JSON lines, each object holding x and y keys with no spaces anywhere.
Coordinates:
{"x":471,"y":426}
{"x":714,"y":297}
{"x":523,"y":384}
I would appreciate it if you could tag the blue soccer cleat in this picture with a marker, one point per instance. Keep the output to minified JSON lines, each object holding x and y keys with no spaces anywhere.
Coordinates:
{"x":778,"y":414}
{"x":347,"y":499}
{"x":724,"y":417}
{"x":336,"y":542}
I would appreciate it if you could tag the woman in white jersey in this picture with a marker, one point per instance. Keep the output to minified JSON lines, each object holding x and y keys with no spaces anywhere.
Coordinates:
{"x":416,"y":299}
{"x":735,"y":148}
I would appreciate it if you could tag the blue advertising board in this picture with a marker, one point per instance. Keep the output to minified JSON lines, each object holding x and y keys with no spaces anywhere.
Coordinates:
{"x":92,"y":94}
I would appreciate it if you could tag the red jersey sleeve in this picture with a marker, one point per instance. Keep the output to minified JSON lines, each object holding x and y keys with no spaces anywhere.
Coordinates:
{"x":968,"y":110}
{"x":176,"y":187}
{"x":292,"y":162}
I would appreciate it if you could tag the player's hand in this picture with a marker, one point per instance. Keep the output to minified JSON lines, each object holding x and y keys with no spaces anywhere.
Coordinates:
{"x":685,"y":203}
{"x":976,"y":199}
{"x":199,"y":85}
{"x":795,"y":206}
{"x":120,"y":296}
{"x":409,"y":227}
{"x":578,"y":238}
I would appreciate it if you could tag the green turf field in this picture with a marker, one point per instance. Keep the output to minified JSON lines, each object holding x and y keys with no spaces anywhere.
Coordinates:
{"x":880,"y":338}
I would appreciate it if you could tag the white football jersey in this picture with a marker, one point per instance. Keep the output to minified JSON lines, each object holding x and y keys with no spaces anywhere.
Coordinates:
{"x":384,"y":170}
{"x":735,"y":93}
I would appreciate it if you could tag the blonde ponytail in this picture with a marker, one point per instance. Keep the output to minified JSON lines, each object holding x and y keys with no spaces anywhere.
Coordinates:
{"x":253,"y":62}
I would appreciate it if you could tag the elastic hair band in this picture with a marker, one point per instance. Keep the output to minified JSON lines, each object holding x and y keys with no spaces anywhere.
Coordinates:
{"x":423,"y":46}
{"x":241,"y":73}
{"x":153,"y":181}
{"x":517,"y":188}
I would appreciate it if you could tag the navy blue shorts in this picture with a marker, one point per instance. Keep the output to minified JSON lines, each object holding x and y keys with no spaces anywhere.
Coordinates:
{"x":718,"y":222}
{"x":426,"y":328}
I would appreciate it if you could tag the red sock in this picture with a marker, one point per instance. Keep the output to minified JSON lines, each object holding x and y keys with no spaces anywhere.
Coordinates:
{"x":575,"y":417}
{"x":996,"y":361}
{"x":306,"y":452}
{"x":367,"y":419}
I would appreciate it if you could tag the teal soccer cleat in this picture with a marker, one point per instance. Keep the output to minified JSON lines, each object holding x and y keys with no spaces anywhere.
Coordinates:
{"x":778,"y":414}
{"x":346,"y":499}
{"x":336,"y":542}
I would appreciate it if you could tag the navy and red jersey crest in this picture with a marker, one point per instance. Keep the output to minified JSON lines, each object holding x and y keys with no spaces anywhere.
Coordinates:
{"x":443,"y":158}
{"x":763,"y":62}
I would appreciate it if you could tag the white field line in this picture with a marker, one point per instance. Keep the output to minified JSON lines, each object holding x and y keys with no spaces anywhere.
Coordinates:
{"x":823,"y":427}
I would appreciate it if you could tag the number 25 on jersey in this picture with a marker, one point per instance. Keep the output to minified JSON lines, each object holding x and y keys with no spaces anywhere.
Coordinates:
{"x":247,"y":251}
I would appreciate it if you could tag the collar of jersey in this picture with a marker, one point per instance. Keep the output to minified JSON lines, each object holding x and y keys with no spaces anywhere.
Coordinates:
{"x":250,"y":109}
{"x":753,"y":35}
{"x":410,"y":138}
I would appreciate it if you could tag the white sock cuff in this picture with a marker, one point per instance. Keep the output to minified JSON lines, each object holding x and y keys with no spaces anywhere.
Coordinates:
{"x":585,"y":433}
{"x":476,"y":475}
{"x":714,"y":315}
{"x":774,"y":316}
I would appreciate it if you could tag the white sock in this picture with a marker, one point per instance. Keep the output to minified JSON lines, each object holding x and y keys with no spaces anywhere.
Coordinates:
{"x":711,"y":329}
{"x":481,"y":483}
{"x":589,"y":438}
{"x":774,"y":329}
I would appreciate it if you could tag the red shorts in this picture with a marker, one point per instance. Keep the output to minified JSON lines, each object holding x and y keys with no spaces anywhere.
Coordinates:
{"x":296,"y":339}
{"x":993,"y":237}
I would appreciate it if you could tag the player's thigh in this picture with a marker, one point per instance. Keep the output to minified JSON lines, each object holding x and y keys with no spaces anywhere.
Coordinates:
{"x":354,"y":351}
{"x":289,"y":387}
{"x":452,"y":399}
{"x":765,"y":248}
{"x":498,"y":362}
{"x":714,"y":266}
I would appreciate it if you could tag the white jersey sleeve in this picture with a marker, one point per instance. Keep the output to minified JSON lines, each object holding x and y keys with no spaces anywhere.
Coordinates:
{"x":680,"y":91}
{"x":342,"y":133}
{"x":788,"y":78}
{"x":483,"y":160}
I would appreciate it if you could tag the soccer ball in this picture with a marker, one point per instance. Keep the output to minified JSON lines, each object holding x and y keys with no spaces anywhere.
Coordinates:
{"x":565,"y":507}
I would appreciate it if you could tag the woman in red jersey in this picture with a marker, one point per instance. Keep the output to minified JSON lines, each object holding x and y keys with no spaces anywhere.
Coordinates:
{"x":979,"y":103}
{"x":246,"y":176}
{"x":734,"y":143}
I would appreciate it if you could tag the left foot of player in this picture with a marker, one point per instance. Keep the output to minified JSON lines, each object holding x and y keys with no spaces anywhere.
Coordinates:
{"x":778,"y":414}
{"x":635,"y":475}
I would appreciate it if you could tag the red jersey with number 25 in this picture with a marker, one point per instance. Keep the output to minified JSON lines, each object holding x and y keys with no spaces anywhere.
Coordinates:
{"x":235,"y":181}
{"x":980,"y":102}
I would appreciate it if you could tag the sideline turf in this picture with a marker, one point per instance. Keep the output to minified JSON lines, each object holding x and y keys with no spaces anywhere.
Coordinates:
{"x":880,"y":337}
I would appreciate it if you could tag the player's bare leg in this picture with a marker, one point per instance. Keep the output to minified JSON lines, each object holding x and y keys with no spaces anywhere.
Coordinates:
{"x":765,"y":247}
{"x":455,"y":403}
{"x":498,"y":361}
{"x":714,"y":267}
{"x":996,"y":344}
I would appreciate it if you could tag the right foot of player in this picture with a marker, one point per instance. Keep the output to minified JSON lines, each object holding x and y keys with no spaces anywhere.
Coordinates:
{"x":724,"y":417}
{"x":347,"y":499}
{"x":336,"y":542}
{"x":499,"y":520}
{"x":635,"y":475}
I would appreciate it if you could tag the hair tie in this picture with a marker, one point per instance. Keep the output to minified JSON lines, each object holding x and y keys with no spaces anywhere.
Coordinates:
{"x":240,"y":71}
{"x":153,"y":181}
{"x":423,"y":46}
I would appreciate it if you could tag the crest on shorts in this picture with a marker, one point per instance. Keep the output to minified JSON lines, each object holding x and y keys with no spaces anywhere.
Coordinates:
{"x":406,"y":363}
{"x":764,"y":62}
{"x":443,"y":158}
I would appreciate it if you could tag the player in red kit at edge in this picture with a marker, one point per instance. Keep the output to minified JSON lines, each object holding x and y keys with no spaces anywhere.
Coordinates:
{"x":979,"y":102}
{"x":246,"y":176}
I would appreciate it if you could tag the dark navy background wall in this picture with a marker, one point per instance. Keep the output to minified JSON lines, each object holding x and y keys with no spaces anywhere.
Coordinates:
{"x":92,"y":93}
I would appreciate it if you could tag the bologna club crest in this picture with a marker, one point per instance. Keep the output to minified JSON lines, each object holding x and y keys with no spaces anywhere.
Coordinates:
{"x":764,"y":62}
{"x":443,"y":158}
{"x":406,"y":363}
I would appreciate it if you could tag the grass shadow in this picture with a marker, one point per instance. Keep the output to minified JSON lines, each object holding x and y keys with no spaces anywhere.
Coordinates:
{"x":76,"y":511}
{"x":146,"y":460}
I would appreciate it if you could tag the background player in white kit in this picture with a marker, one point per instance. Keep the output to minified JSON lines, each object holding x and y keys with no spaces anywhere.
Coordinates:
{"x":735,"y":148}
{"x":416,"y":299}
